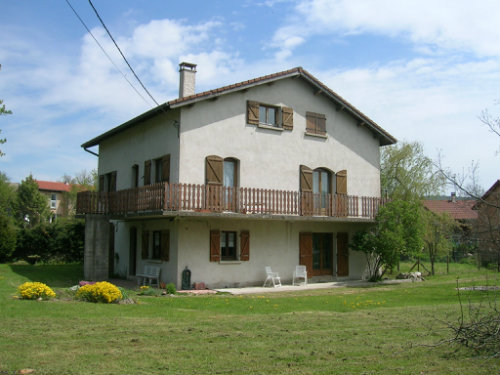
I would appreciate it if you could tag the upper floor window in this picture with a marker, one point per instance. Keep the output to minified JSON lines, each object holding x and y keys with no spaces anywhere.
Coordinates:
{"x":53,"y":200}
{"x":107,"y":182}
{"x":135,"y":176}
{"x":269,"y":115}
{"x":315,"y":123}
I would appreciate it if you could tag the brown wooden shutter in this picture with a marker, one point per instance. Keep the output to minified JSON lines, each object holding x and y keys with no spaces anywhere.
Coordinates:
{"x":165,"y":168}
{"x":305,"y":251}
{"x":145,"y":244}
{"x":315,"y":123}
{"x":147,"y":172}
{"x":306,"y":179}
{"x":342,"y":182}
{"x":253,"y":112}
{"x":214,"y":170}
{"x":214,"y":245}
{"x":245,"y":245}
{"x":342,"y":254}
{"x":165,"y":245}
{"x":287,"y":118}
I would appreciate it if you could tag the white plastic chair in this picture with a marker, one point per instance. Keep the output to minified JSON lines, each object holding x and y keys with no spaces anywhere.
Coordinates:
{"x":274,"y":277}
{"x":300,"y":273}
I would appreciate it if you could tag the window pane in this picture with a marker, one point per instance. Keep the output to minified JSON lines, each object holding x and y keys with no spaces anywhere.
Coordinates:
{"x":223,"y":241}
{"x":271,"y":116}
{"x":315,"y":182}
{"x":229,"y":179}
{"x":262,"y":114}
{"x":325,"y":182}
{"x":230,"y":239}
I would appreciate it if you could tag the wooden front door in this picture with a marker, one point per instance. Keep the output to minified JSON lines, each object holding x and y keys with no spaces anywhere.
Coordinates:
{"x":342,"y":254}
{"x":322,"y":254}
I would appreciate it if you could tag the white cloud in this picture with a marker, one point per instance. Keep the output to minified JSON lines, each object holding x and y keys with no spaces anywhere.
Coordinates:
{"x":448,"y":24}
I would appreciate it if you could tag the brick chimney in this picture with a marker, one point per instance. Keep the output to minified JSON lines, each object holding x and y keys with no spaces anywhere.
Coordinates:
{"x":187,"y":79}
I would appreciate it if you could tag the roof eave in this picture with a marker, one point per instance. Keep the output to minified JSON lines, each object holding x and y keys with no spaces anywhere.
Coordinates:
{"x":118,"y":129}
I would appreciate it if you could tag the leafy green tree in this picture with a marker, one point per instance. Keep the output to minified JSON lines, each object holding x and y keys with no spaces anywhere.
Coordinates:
{"x":7,"y":196}
{"x":407,"y":174}
{"x":8,"y":236}
{"x":398,"y":230}
{"x":438,"y":234}
{"x":32,"y":207}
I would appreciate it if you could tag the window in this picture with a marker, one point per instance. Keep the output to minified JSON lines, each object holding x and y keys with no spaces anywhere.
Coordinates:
{"x":53,"y":200}
{"x":269,"y":115}
{"x":223,"y":246}
{"x":161,"y":245}
{"x":322,"y":186}
{"x":156,"y":244}
{"x":107,"y":182}
{"x":135,"y":176}
{"x":315,"y":123}
{"x":228,"y":245}
{"x":158,"y":169}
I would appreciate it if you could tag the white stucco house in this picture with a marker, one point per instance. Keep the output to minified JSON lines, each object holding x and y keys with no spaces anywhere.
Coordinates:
{"x":275,"y":171}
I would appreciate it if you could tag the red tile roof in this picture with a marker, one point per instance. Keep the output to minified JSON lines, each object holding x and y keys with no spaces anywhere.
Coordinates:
{"x":458,"y":210}
{"x":53,"y":186}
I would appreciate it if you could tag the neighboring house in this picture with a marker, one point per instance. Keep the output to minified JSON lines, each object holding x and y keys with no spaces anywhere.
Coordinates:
{"x":488,"y":225}
{"x":461,"y":210}
{"x":275,"y":171}
{"x":56,"y":193}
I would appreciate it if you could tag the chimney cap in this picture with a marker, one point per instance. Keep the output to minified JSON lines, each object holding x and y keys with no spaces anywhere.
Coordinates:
{"x":185,"y":66}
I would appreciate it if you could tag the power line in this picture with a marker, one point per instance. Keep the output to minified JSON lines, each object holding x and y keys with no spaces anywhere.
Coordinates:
{"x":104,"y":51}
{"x":121,"y":53}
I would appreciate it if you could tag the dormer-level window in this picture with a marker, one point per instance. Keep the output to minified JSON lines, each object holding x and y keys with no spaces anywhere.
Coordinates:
{"x":268,"y":115}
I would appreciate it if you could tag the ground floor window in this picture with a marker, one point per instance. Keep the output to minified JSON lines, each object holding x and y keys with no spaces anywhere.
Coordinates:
{"x":228,"y":245}
{"x":322,"y":254}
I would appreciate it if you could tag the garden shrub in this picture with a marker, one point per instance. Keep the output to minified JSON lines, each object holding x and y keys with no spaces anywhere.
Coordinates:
{"x":170,"y":287}
{"x":99,"y":292}
{"x":35,"y":290}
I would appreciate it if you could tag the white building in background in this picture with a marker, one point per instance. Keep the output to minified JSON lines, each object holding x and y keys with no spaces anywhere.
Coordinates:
{"x":275,"y":171}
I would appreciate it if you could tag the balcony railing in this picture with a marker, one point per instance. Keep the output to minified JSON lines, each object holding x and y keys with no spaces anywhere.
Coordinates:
{"x":163,"y":197}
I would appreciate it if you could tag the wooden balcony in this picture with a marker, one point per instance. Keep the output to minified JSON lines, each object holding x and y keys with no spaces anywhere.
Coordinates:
{"x":164,"y":198}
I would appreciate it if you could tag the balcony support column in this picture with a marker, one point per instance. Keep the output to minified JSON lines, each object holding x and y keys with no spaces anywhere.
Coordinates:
{"x":96,"y":252}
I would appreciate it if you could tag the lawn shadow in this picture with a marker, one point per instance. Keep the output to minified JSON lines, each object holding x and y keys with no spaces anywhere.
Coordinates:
{"x":54,"y":275}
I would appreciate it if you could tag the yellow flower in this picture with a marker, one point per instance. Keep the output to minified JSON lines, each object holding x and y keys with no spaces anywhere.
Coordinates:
{"x":35,"y":290}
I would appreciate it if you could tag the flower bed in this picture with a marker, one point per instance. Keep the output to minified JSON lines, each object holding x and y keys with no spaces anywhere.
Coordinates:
{"x":35,"y":290}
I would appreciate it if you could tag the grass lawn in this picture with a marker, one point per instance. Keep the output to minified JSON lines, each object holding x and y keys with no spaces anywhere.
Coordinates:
{"x":383,"y":329}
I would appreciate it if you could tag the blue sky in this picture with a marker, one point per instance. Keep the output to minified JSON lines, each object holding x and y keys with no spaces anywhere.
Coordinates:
{"x":423,"y":70}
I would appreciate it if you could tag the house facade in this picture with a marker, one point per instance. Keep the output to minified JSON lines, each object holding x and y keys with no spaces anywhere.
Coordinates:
{"x":488,"y":226}
{"x":56,"y":193}
{"x":275,"y":171}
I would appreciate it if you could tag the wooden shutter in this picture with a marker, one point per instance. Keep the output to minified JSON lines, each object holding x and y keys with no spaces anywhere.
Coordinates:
{"x":214,"y":170}
{"x":214,"y":245}
{"x":287,"y":117}
{"x":305,"y":251}
{"x":342,"y":254}
{"x":165,"y":245}
{"x":145,"y":244}
{"x":147,"y":172}
{"x":315,"y":123}
{"x":253,"y":112}
{"x":342,"y":182}
{"x":165,"y":168}
{"x":306,"y":179}
{"x":244,"y":245}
